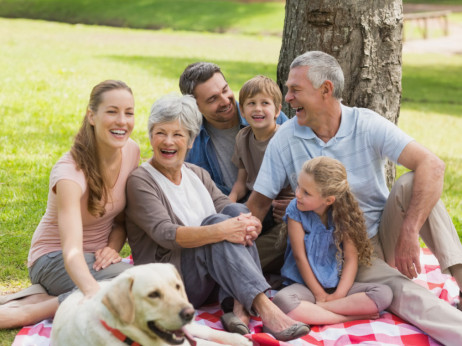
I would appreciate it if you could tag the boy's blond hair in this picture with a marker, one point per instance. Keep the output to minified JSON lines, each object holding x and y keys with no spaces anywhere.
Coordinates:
{"x":260,"y":84}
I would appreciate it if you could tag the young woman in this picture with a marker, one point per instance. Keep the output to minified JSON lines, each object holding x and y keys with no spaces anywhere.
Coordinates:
{"x":79,"y":238}
{"x":327,"y":239}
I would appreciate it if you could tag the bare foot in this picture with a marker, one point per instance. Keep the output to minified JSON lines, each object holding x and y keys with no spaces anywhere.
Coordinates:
{"x":241,"y":313}
{"x":272,"y":317}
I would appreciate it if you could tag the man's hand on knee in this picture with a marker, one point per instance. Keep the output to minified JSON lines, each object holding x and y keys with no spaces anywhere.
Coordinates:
{"x":407,"y":254}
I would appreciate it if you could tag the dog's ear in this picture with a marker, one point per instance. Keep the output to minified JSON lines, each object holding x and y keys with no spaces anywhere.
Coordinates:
{"x":119,"y":300}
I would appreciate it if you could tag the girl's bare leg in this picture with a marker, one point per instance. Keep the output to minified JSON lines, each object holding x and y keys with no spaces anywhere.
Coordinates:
{"x":358,"y":304}
{"x":27,"y":311}
{"x":314,"y":314}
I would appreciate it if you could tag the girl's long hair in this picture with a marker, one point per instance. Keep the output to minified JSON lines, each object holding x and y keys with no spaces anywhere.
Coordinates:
{"x":331,"y":179}
{"x":85,"y":154}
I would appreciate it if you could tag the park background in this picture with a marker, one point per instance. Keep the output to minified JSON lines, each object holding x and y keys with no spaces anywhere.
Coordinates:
{"x":50,"y":61}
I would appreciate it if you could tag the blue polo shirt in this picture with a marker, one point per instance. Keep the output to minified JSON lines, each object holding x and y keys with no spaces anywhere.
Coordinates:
{"x":362,"y":143}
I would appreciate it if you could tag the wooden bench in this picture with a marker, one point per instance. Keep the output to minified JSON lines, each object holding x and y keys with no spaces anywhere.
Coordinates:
{"x":425,"y":17}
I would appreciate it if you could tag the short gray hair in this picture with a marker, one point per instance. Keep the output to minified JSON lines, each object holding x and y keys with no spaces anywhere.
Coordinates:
{"x":322,"y":67}
{"x":197,"y":73}
{"x":175,"y":107}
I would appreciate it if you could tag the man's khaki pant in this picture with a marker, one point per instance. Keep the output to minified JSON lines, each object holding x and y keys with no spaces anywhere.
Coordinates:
{"x":411,"y":301}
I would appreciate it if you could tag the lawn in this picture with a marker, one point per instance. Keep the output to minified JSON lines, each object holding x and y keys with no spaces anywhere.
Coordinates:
{"x":47,"y":70}
{"x":192,"y":15}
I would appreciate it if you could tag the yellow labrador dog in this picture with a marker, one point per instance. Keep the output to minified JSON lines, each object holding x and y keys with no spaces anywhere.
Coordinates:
{"x":145,"y":305}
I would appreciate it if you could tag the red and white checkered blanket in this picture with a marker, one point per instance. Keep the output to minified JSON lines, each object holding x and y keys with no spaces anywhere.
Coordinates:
{"x":388,"y":329}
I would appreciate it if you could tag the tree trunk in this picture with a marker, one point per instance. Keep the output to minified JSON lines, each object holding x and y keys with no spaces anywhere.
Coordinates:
{"x":364,"y":36}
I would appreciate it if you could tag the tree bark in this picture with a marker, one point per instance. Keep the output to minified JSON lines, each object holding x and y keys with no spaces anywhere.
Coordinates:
{"x":365,"y":36}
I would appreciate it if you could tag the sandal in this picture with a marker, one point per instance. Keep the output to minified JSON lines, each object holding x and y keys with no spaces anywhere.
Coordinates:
{"x":233,"y":324}
{"x":295,"y":331}
{"x":29,"y":291}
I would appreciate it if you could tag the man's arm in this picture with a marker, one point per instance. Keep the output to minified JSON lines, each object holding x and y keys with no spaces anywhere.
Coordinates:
{"x":258,"y":204}
{"x":426,"y":191}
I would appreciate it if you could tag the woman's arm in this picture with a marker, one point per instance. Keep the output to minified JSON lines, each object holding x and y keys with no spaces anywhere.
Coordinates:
{"x":68,"y":195}
{"x":297,"y":241}
{"x":234,"y":230}
{"x":149,"y":209}
{"x":350,"y":268}
{"x":239,"y":188}
{"x":110,"y":254}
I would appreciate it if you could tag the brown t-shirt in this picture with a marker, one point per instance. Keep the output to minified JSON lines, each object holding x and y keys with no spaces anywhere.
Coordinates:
{"x":150,"y":221}
{"x":248,"y":154}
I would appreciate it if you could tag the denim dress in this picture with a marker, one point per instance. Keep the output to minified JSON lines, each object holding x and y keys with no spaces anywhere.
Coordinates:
{"x":320,"y":249}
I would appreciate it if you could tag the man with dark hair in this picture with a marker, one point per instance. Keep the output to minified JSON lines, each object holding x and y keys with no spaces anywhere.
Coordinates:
{"x":214,"y":146}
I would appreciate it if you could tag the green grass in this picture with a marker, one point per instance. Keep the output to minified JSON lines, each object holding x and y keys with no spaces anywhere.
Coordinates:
{"x":431,"y":112}
{"x":191,"y":15}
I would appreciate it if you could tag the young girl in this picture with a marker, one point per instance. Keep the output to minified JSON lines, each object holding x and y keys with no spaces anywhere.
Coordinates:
{"x":327,"y":239}
{"x":79,"y":238}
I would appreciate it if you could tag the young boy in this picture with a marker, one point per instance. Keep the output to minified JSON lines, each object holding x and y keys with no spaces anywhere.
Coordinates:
{"x":260,"y":104}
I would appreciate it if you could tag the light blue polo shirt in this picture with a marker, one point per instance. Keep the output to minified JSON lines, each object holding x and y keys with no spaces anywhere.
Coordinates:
{"x":363,"y":143}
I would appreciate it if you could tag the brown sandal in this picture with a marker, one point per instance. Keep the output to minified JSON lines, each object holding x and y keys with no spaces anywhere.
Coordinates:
{"x":233,"y":324}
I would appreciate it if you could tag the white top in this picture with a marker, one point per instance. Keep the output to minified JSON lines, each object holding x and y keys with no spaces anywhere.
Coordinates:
{"x":190,"y":200}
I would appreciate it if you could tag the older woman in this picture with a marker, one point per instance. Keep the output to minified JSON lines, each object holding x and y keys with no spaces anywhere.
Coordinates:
{"x":176,"y":214}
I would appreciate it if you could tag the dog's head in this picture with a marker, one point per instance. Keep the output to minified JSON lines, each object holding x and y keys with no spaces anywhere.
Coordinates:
{"x":149,"y":304}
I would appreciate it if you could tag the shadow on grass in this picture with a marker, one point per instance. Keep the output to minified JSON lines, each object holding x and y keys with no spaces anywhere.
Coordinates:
{"x":236,"y":72}
{"x":191,"y":15}
{"x":435,"y":88}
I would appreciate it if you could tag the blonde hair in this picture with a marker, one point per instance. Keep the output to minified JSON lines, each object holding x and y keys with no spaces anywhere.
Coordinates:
{"x":331,"y":179}
{"x":261,"y":84}
{"x":85,"y":153}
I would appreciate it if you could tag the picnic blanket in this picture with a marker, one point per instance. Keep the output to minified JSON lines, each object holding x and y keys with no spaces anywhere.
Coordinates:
{"x":388,"y":329}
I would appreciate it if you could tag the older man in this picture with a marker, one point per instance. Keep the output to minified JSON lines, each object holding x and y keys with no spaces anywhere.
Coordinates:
{"x":362,"y":140}
{"x":214,"y":146}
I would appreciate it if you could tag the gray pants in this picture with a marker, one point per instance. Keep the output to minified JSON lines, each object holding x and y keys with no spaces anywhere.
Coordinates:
{"x":49,"y":271}
{"x":232,"y":268}
{"x":291,"y":296}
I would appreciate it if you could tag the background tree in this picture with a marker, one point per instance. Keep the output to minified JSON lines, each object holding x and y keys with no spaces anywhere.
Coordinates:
{"x":366,"y":38}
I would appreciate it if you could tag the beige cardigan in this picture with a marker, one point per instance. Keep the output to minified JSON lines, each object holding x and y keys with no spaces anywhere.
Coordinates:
{"x":150,"y":221}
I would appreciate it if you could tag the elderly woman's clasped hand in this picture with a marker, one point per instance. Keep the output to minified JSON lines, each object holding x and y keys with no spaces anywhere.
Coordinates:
{"x":244,"y":230}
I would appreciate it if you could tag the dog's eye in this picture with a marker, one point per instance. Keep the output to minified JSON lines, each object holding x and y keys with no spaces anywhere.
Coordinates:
{"x":178,"y":287}
{"x":154,"y":294}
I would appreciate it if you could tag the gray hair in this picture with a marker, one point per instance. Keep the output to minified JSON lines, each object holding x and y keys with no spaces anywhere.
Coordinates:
{"x":322,"y":67}
{"x":197,"y":73}
{"x":175,"y":107}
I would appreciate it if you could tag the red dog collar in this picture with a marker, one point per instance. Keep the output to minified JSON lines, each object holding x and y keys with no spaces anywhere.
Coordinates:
{"x":119,"y":335}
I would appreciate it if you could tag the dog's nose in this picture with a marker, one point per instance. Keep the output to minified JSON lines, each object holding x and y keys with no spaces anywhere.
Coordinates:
{"x":187,"y":314}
